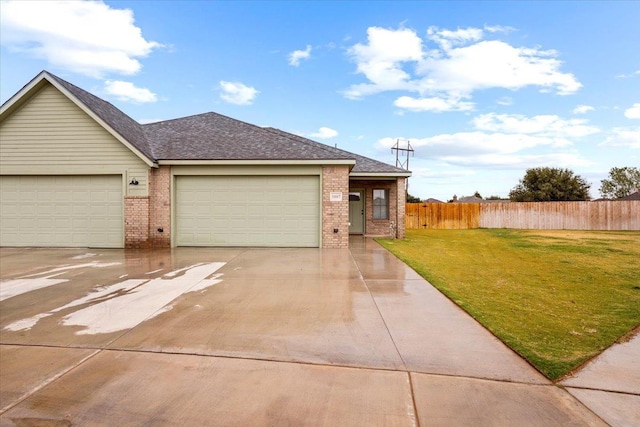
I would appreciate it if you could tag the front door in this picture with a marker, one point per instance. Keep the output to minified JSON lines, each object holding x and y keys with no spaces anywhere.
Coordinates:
{"x":356,"y":212}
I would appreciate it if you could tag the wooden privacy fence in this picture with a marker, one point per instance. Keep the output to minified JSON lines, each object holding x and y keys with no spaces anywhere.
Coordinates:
{"x":605,"y":215}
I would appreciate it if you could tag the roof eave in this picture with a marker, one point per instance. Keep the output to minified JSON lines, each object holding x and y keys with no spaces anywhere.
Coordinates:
{"x":15,"y":101}
{"x":378,"y":175}
{"x":234,"y":162}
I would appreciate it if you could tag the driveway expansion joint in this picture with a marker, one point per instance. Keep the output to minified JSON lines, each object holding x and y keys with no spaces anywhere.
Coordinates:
{"x":47,"y":382}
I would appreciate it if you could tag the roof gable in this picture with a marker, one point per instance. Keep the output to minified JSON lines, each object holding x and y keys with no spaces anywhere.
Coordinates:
{"x":122,"y":127}
{"x":202,"y":137}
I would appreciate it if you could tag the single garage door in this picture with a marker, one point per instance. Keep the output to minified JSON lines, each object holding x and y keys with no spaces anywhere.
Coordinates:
{"x":63,"y":211}
{"x":281,"y":211}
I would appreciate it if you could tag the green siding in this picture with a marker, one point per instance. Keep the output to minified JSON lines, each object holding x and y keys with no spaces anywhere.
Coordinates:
{"x":49,"y":134}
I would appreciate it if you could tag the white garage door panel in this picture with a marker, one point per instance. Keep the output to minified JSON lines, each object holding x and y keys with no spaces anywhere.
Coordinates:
{"x":62,"y":211}
{"x":248,"y":211}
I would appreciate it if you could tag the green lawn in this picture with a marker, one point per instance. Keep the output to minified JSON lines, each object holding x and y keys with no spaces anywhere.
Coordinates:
{"x":556,"y":297}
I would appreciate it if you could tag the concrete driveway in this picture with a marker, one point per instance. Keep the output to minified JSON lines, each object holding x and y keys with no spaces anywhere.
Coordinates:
{"x":213,"y":336}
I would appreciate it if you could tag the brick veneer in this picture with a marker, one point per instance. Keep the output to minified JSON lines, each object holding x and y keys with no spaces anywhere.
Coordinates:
{"x":160,"y":207}
{"x":136,"y":222}
{"x":394,"y":226}
{"x":144,"y":215}
{"x":401,"y":201}
{"x":335,"y":214}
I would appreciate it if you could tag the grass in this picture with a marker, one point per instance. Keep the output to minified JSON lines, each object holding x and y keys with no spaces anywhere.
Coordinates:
{"x":557,"y":298}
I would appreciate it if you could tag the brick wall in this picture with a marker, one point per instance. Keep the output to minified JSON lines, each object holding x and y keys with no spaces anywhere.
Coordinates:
{"x":335,"y":214}
{"x":401,"y":191}
{"x":136,"y":222}
{"x":160,"y":207}
{"x":394,"y":226}
{"x":145,"y":216}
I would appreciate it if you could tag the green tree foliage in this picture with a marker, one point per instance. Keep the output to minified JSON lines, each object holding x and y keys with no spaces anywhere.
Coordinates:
{"x":550,"y":185}
{"x":412,"y":199}
{"x":621,"y":182}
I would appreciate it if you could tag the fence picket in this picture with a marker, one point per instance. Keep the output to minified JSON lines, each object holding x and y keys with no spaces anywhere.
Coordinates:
{"x":603,"y":215}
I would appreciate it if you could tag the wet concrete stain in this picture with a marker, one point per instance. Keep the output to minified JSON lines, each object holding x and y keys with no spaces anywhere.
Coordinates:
{"x":32,"y":282}
{"x":127,"y":303}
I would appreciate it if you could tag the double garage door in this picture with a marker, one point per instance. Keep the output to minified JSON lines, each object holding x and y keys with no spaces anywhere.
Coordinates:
{"x":87,"y":211}
{"x":61,"y":211}
{"x":276,"y":211}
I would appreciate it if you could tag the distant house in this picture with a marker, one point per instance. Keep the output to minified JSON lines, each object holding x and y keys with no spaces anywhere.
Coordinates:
{"x":632,"y":196}
{"x":468,"y":199}
{"x":474,"y":199}
{"x":75,"y":171}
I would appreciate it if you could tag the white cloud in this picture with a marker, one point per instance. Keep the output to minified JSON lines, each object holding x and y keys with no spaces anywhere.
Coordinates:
{"x":548,"y":125}
{"x":447,"y":38}
{"x":505,"y":100}
{"x":499,"y":29}
{"x":506,"y":141}
{"x":519,"y":161}
{"x":324,"y":133}
{"x":583,"y":109}
{"x":237,"y":93}
{"x":381,"y":59}
{"x":127,"y":91}
{"x":497,"y":150}
{"x":88,"y":37}
{"x":432,"y":104}
{"x":473,"y":143}
{"x":630,"y":75}
{"x":298,"y":55}
{"x":495,"y":64}
{"x":461,"y":63}
{"x":623,"y":137}
{"x":633,"y":112}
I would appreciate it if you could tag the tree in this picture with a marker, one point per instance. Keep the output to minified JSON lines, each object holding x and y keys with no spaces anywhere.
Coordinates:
{"x":621,"y":183}
{"x":412,"y":199}
{"x":550,"y":185}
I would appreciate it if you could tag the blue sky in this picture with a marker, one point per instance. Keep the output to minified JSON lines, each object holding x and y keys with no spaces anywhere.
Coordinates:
{"x":482,"y":90}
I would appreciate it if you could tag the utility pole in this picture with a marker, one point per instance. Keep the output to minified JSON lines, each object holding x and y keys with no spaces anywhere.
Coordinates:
{"x":400,"y":163}
{"x":406,"y":150}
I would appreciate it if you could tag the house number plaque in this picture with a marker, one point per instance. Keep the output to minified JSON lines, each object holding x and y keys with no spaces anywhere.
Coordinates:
{"x":335,"y":197}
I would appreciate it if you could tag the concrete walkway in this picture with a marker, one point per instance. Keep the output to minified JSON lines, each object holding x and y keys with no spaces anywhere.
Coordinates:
{"x":610,"y":384}
{"x":257,"y":337}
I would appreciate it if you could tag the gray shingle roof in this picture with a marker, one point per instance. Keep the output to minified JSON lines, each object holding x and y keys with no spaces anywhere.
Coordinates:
{"x":212,"y":136}
{"x":128,"y":128}
{"x":363,"y":164}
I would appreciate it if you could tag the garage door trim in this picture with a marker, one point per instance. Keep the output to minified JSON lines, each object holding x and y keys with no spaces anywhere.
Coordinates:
{"x":254,"y":172}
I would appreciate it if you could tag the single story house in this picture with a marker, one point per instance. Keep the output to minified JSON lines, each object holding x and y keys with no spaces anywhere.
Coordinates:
{"x":75,"y":171}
